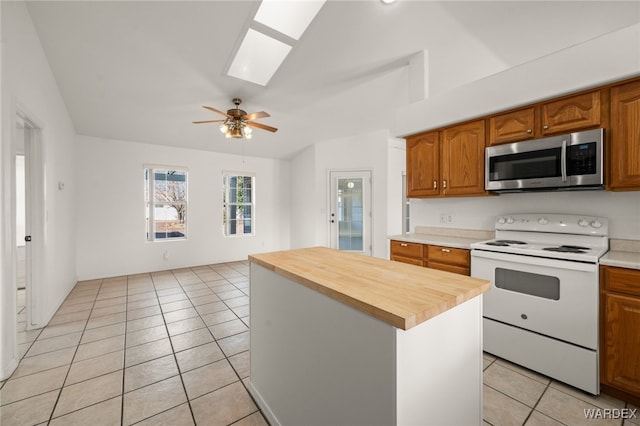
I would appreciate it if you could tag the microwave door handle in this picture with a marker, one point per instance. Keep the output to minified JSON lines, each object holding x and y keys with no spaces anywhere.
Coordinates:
{"x":563,"y":160}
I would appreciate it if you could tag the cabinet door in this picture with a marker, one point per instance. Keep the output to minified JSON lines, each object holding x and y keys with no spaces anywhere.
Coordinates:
{"x":423,"y":165}
{"x":512,"y":127}
{"x":569,"y":114}
{"x":622,"y":343}
{"x":624,"y":137}
{"x":463,"y":159}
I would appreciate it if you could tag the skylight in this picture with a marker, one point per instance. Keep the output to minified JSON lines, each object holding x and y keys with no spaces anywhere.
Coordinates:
{"x":288,"y":17}
{"x":258,"y":58}
{"x":260,"y":55}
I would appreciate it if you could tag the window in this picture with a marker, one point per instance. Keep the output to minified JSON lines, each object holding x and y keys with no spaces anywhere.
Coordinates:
{"x":238,"y":203}
{"x":165,"y":194}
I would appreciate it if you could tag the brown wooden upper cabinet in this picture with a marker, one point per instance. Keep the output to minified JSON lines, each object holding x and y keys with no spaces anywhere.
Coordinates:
{"x":569,"y":114}
{"x":450,"y":161}
{"x":447,"y":162}
{"x":463,"y":159}
{"x":423,"y":165}
{"x":512,"y":126}
{"x":564,"y":115}
{"x":624,"y":137}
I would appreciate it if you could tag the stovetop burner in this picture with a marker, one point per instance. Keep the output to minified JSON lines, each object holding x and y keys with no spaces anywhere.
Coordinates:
{"x":549,"y":236}
{"x":504,"y":243}
{"x":567,"y":249}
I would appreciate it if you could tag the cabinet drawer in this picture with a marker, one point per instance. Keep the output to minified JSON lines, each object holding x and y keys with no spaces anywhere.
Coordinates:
{"x":448,"y":255}
{"x":456,"y":269}
{"x":404,"y":249}
{"x":621,"y":280}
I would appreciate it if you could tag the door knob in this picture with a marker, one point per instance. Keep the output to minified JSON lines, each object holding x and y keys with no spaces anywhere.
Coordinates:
{"x":27,"y":238}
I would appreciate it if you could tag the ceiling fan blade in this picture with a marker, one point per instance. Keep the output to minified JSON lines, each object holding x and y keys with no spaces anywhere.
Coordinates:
{"x":261,"y":126}
{"x":255,"y":115}
{"x":208,"y":121}
{"x":216,"y":110}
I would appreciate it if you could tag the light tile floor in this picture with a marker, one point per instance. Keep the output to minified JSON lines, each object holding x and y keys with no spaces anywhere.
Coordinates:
{"x":172,"y":348}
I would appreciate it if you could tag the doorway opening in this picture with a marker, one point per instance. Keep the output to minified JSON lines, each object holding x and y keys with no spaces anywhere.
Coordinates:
{"x":29,"y":220}
{"x":350,"y":211}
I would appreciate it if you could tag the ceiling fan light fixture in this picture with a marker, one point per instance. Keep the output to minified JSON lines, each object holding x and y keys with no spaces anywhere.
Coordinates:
{"x":237,"y":123}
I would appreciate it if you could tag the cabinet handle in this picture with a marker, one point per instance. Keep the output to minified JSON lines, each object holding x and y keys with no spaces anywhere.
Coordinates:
{"x":435,"y":184}
{"x":529,"y":131}
{"x":545,"y":127}
{"x":404,"y":245}
{"x":444,"y":184}
{"x":446,"y":250}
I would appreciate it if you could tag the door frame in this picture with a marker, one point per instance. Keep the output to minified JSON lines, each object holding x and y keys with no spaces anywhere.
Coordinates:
{"x":367,"y":227}
{"x":35,"y":223}
{"x":35,"y":217}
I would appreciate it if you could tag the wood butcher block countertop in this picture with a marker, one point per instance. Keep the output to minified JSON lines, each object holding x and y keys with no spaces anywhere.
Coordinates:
{"x":400,"y":294}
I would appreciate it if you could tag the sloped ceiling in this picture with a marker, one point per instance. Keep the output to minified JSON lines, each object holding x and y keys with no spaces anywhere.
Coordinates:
{"x":140,"y":71}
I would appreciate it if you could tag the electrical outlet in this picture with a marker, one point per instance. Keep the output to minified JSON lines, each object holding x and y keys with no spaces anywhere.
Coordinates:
{"x":446,"y":218}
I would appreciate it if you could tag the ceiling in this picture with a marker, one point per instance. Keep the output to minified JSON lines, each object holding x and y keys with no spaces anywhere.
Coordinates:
{"x":140,"y":71}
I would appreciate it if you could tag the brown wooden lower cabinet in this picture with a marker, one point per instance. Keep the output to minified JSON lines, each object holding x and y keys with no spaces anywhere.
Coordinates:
{"x":436,"y":257}
{"x":405,"y":252}
{"x":620,"y":333}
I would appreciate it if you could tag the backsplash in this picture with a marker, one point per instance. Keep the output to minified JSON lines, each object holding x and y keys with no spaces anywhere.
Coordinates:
{"x":479,"y":234}
{"x":621,"y":208}
{"x":625,"y":245}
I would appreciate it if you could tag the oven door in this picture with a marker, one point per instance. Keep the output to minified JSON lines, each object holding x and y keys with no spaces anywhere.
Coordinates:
{"x":555,"y":298}
{"x":527,"y":165}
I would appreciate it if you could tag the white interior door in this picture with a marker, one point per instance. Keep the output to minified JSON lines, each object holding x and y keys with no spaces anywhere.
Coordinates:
{"x":350,"y":211}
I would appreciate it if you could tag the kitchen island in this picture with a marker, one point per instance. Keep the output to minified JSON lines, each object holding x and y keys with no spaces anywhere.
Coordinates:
{"x":344,"y":339}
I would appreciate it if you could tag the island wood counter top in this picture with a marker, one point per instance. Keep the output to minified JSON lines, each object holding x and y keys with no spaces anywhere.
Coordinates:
{"x":400,"y":294}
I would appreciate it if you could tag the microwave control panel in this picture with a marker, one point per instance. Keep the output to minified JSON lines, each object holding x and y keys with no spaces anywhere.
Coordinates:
{"x":582,"y":159}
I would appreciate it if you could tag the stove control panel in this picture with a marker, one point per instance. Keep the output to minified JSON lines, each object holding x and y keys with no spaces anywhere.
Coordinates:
{"x":556,"y":223}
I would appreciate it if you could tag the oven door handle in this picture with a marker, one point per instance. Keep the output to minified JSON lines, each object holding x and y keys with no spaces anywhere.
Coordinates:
{"x":563,"y":160}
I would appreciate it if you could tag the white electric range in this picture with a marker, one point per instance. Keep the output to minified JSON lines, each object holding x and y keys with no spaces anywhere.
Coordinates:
{"x":542,"y":309}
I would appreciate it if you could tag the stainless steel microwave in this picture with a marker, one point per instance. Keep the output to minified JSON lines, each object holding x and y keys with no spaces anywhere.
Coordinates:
{"x":565,"y":162}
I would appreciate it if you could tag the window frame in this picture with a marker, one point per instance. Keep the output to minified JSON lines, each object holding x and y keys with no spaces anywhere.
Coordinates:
{"x":150,"y":201}
{"x":226,"y":204}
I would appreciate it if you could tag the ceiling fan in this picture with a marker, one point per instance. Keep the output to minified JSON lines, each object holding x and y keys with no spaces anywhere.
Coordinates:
{"x":238,"y":123}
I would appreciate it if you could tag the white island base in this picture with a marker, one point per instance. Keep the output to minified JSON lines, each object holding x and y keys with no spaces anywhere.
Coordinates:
{"x":318,"y":361}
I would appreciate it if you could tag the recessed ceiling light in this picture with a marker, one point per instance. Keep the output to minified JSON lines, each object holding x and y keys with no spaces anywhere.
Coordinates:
{"x":288,"y":17}
{"x":258,"y":58}
{"x":388,"y":1}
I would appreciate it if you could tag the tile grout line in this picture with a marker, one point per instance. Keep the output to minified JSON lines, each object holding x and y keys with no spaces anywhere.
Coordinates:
{"x":124,"y":351}
{"x":53,"y":409}
{"x":173,"y":352}
{"x":223,"y":352}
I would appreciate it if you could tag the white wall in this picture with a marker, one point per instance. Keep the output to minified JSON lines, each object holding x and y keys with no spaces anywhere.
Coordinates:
{"x":397,"y":165}
{"x":621,"y":208}
{"x":28,"y":84}
{"x":311,"y":167}
{"x":111,"y":212}
{"x":303,"y":199}
{"x":610,"y":57}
